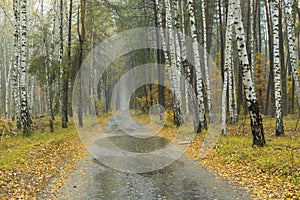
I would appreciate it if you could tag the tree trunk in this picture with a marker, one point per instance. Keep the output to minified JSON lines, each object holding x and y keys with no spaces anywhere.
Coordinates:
{"x":201,"y":124}
{"x":290,"y":25}
{"x":23,"y":71}
{"x":48,"y":87}
{"x":205,"y":58}
{"x":8,"y":74}
{"x":69,"y":64}
{"x":179,"y":119}
{"x":16,"y":66}
{"x":282,"y":61}
{"x":161,"y":70}
{"x":277,"y":69}
{"x":270,"y":90}
{"x":63,"y":92}
{"x":81,"y":35}
{"x":252,"y":103}
{"x":222,"y":55}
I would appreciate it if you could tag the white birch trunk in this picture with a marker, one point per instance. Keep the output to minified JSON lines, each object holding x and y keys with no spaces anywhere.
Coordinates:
{"x":164,"y":45}
{"x":235,"y":114}
{"x":32,"y":96}
{"x":252,"y":38}
{"x":15,"y":75}
{"x":252,"y":103}
{"x":187,"y":71}
{"x":231,"y":92}
{"x":7,"y":92}
{"x":228,"y":56}
{"x":292,"y":49}
{"x":205,"y":59}
{"x":62,"y":69}
{"x":23,"y":69}
{"x":178,"y":64}
{"x":199,"y":88}
{"x":277,"y":69}
{"x":48,"y":68}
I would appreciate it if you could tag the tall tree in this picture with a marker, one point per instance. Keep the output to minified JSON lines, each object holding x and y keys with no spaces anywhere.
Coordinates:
{"x":48,"y":69}
{"x":16,"y":65}
{"x":161,"y":70}
{"x":270,"y":90}
{"x":252,"y":103}
{"x":205,"y":55}
{"x":63,"y":72}
{"x":81,"y":35}
{"x":290,"y":26}
{"x":23,"y":69}
{"x":202,"y":124}
{"x":179,"y":119}
{"x":277,"y":69}
{"x":228,"y":57}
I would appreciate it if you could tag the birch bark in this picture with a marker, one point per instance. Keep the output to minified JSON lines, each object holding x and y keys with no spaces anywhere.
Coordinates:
{"x":290,"y":26}
{"x":277,"y":69}
{"x":202,"y":124}
{"x":23,"y":69}
{"x":252,"y":103}
{"x":228,"y":55}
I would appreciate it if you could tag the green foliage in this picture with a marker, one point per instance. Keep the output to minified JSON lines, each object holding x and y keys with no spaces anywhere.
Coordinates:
{"x":37,"y":68}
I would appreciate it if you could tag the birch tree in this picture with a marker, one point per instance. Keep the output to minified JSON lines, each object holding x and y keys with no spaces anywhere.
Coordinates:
{"x":205,"y":56}
{"x":277,"y":69}
{"x":23,"y":69}
{"x":186,"y":67}
{"x":177,"y":66}
{"x":202,"y":124}
{"x":48,"y":67}
{"x":81,"y":35}
{"x":252,"y":103}
{"x":7,"y":91}
{"x":63,"y":73}
{"x":15,"y":74}
{"x":290,"y":26}
{"x":228,"y":57}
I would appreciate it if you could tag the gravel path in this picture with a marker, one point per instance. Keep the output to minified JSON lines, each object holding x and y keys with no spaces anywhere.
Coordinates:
{"x":183,"y":179}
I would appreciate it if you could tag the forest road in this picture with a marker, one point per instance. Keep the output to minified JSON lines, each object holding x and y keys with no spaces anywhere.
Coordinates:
{"x":183,"y":179}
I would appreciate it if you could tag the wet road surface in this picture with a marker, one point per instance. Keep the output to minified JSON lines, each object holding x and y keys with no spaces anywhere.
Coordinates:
{"x":183,"y":179}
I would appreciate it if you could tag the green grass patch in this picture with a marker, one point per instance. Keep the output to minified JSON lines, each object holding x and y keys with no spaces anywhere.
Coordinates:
{"x":14,"y":150}
{"x":280,"y":157}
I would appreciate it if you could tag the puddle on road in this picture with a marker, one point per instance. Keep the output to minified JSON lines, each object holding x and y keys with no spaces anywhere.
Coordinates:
{"x":139,"y":145}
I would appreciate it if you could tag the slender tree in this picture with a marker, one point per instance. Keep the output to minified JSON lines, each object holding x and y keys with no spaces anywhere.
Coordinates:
{"x":277,"y":69}
{"x":290,"y":26}
{"x":23,"y":69}
{"x":205,"y":55}
{"x":202,"y":124}
{"x":252,"y":103}
{"x":15,"y":74}
{"x":270,"y":89}
{"x":161,"y":70}
{"x":228,"y":57}
{"x":81,"y":35}
{"x":177,"y":70}
{"x":63,"y":72}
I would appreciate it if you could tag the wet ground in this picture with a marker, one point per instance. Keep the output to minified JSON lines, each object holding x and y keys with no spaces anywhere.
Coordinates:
{"x":183,"y":179}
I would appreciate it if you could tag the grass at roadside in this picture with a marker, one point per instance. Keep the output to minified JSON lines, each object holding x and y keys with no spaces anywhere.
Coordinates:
{"x":271,"y":172}
{"x":27,"y":164}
